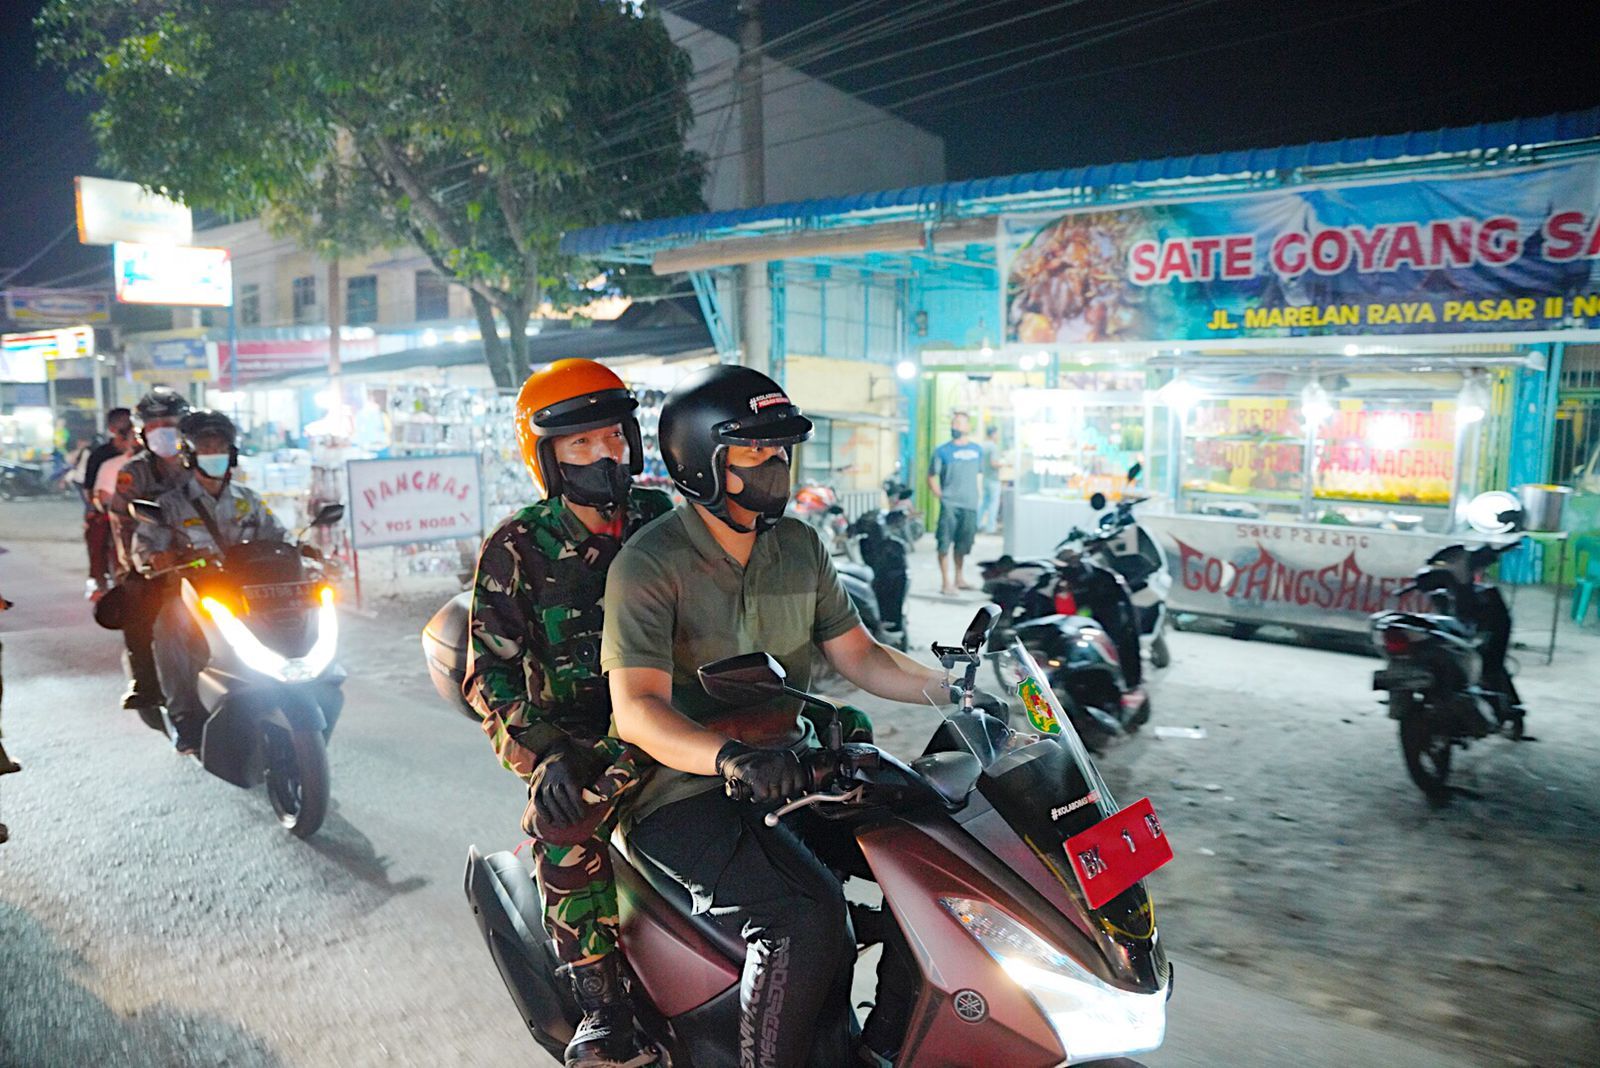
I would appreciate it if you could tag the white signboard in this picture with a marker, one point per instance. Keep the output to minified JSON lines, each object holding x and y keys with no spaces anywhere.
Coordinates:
{"x":1297,"y":574}
{"x":171,"y":274}
{"x":57,"y":307}
{"x":417,"y":498}
{"x":110,"y":211}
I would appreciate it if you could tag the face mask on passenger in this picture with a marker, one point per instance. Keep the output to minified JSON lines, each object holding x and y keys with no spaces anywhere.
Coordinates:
{"x":602,"y":484}
{"x":162,"y":440}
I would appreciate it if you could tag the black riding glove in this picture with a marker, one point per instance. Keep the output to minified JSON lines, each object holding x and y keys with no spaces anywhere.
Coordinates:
{"x":559,"y":780}
{"x":760,"y":774}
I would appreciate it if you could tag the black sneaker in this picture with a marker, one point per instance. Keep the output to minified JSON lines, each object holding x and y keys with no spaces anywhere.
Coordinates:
{"x":136,"y":699}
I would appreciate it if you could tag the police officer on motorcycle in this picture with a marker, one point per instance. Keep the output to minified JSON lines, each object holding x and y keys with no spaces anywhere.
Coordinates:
{"x":201,"y":516}
{"x":151,"y":471}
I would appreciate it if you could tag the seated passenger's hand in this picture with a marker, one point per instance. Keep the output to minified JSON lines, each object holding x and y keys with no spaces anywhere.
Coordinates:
{"x":559,"y":780}
{"x":760,"y":774}
{"x":311,"y":552}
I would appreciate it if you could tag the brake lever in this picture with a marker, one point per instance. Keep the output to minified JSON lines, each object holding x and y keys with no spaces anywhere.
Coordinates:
{"x":847,"y":798}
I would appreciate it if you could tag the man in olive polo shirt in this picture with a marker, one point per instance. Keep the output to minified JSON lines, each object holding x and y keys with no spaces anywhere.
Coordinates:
{"x":724,"y":574}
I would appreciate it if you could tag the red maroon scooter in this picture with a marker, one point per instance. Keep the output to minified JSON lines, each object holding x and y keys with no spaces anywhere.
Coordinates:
{"x":1000,"y":854}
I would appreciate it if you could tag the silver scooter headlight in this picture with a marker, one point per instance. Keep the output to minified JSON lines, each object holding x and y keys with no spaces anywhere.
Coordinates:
{"x":258,"y":657}
{"x":1091,"y":1018}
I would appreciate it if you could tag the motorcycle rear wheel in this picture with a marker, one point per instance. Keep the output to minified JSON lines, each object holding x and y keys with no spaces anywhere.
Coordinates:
{"x":297,"y":780}
{"x":1427,"y":752}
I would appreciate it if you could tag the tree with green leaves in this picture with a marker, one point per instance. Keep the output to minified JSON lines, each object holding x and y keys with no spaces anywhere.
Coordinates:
{"x":480,"y":130}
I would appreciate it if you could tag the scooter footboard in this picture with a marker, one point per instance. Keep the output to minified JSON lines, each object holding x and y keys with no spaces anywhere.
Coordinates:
{"x":505,"y":904}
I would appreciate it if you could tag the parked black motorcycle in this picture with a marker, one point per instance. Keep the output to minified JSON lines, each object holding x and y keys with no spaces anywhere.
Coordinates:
{"x":1446,"y":673}
{"x":1075,"y":613}
{"x":19,"y":480}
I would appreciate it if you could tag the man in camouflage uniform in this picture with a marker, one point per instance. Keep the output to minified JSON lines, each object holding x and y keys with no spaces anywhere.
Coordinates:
{"x":533,"y":673}
{"x":151,"y":471}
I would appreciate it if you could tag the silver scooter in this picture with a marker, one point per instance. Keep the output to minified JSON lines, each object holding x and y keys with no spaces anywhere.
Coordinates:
{"x":271,"y":684}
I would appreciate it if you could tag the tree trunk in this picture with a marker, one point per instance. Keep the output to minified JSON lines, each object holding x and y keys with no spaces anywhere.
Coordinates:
{"x":517,"y":317}
{"x":494,"y":349}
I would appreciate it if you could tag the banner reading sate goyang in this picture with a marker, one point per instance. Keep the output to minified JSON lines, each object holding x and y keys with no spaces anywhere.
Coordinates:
{"x":1514,"y":251}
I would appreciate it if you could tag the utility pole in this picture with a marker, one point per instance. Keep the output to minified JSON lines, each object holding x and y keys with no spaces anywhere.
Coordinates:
{"x":752,"y":132}
{"x":754,"y":297}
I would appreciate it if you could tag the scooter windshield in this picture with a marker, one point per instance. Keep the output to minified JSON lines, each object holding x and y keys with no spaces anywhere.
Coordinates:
{"x":1022,"y":711}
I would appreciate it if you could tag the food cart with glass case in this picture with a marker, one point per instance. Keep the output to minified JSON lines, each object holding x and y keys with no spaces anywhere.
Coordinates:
{"x":1307,"y":495}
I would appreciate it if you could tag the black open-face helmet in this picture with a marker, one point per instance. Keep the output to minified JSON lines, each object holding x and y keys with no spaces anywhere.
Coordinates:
{"x":206,"y":423}
{"x":712,"y":409}
{"x":162,"y":402}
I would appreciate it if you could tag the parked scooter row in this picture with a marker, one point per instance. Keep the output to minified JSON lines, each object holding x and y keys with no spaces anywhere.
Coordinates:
{"x":1091,"y":613}
{"x":1081,"y":973}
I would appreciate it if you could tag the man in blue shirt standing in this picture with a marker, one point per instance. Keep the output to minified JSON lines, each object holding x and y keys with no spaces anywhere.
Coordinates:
{"x":953,"y":475}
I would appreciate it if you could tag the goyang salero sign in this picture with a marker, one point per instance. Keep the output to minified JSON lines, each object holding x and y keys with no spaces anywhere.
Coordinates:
{"x":1515,"y":251}
{"x":414,"y":499}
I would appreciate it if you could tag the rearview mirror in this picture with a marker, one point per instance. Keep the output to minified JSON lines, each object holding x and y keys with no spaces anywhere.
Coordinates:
{"x":146,"y":511}
{"x":748,"y":678}
{"x":1097,"y":501}
{"x":978,"y":630}
{"x":1135,"y":471}
{"x":328,"y":515}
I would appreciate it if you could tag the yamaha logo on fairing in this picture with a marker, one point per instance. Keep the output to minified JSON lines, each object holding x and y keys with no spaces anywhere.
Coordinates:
{"x":970,"y":1006}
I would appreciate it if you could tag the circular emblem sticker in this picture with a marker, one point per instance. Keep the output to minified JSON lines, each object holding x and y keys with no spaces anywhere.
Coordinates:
{"x":970,"y":1006}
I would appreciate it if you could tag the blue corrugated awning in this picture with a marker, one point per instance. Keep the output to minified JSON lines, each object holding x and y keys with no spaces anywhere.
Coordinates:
{"x":1450,"y":141}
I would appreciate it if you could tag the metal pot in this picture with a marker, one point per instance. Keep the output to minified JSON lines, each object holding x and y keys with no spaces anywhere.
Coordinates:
{"x":1542,"y":505}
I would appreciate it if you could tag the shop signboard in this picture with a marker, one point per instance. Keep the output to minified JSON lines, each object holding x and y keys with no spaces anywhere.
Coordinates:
{"x":415,"y":499}
{"x":22,"y":350}
{"x":1297,"y":574}
{"x":1511,"y":252}
{"x":170,"y":274}
{"x":267,"y":357}
{"x":184,"y":359}
{"x":57,"y":307}
{"x":110,"y":211}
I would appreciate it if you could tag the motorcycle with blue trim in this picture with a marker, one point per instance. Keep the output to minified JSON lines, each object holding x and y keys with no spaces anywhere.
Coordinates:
{"x":271,"y":681}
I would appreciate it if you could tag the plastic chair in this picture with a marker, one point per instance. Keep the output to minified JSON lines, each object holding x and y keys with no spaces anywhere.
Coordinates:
{"x":1585,"y":552}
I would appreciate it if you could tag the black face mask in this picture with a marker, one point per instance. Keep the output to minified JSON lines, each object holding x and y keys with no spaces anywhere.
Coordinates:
{"x":957,"y":435}
{"x":766,"y":487}
{"x":602,"y":485}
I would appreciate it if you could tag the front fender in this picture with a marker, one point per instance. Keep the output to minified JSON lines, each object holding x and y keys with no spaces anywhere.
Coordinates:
{"x":232,"y":746}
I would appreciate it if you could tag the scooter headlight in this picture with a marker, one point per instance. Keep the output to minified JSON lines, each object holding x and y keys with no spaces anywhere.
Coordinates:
{"x":1091,"y":1018}
{"x":258,"y":657}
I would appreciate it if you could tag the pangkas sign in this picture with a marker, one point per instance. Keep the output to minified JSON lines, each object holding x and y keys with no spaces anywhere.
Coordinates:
{"x":1508,"y":252}
{"x":415,"y":499}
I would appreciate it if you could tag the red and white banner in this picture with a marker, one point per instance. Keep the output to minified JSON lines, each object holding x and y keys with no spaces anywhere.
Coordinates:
{"x":261,"y":359}
{"x":1296,"y":574}
{"x":415,"y":499}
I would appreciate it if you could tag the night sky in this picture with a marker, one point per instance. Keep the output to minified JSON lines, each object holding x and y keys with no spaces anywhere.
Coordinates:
{"x":1094,"y":81}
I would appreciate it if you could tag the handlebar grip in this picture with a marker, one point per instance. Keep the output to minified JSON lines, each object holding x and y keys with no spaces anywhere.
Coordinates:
{"x":736,"y":790}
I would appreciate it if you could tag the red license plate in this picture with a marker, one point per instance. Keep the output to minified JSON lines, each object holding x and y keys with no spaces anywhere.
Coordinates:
{"x":1118,"y":851}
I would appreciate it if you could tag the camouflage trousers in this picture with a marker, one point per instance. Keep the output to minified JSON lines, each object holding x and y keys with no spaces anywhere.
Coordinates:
{"x":576,"y":882}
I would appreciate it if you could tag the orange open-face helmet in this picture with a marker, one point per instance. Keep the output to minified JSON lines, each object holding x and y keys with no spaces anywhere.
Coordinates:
{"x":569,"y":397}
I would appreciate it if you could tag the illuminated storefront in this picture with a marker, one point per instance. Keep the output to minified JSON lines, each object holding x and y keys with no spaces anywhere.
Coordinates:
{"x":1315,"y":353}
